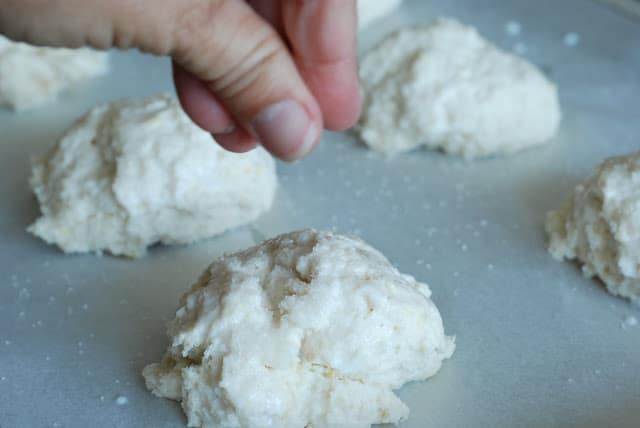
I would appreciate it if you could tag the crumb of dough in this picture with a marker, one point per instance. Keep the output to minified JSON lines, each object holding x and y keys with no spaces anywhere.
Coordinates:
{"x":134,"y":173}
{"x":31,"y":76}
{"x":445,"y":87}
{"x":307,"y":329}
{"x":513,"y":28}
{"x":599,"y":226}
{"x":571,"y":39}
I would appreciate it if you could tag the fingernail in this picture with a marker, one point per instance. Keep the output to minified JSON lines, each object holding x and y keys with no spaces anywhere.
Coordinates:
{"x":226,"y":131}
{"x":286,"y":129}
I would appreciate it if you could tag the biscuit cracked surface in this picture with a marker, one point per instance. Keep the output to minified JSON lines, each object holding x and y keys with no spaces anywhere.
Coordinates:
{"x":307,"y":329}
{"x":138,"y":172}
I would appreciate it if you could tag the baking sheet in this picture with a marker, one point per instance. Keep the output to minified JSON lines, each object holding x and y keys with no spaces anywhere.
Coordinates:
{"x":538,"y":344}
{"x":627,"y":6}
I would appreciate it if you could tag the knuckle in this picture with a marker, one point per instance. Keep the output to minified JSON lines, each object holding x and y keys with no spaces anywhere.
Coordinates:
{"x":231,"y":49}
{"x":132,"y":26}
{"x":248,"y":72}
{"x":193,"y":24}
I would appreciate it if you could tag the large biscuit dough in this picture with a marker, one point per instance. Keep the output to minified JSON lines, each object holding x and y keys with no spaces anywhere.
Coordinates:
{"x":307,"y":329}
{"x":445,"y":87}
{"x":31,"y":76}
{"x":137,"y":172}
{"x":600,"y":226}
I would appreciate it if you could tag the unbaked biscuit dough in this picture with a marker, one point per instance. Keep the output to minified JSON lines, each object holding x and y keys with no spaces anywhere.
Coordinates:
{"x":600,"y":226}
{"x":445,"y":87}
{"x":307,"y":329}
{"x":31,"y":76}
{"x":137,"y":172}
{"x":372,"y":10}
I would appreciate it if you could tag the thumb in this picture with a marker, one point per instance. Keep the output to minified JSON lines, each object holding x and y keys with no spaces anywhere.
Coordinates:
{"x":251,"y":73}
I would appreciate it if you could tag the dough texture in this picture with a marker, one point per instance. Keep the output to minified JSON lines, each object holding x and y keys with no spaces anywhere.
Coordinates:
{"x":372,"y":10}
{"x":307,"y":329}
{"x":31,"y":76}
{"x":600,"y":226}
{"x":137,"y":172}
{"x":445,"y":87}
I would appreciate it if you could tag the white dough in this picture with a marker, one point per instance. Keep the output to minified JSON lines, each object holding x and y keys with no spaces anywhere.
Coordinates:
{"x":137,"y":172}
{"x":372,"y":10}
{"x":31,"y":76}
{"x":445,"y":87}
{"x":600,"y":226}
{"x":307,"y":329}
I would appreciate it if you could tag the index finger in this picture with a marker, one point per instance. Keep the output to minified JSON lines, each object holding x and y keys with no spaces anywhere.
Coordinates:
{"x":323,"y":39}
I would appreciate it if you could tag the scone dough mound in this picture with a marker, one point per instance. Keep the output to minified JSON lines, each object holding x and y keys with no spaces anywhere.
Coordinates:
{"x":307,"y":329}
{"x":31,"y":76}
{"x":372,"y":10}
{"x":445,"y":87}
{"x":600,"y":226}
{"x":137,"y":172}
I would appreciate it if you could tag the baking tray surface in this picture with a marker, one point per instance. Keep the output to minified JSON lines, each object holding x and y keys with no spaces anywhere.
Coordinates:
{"x":538,"y":344}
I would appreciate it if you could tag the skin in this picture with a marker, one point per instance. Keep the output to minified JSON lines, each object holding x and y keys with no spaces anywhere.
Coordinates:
{"x":270,"y":72}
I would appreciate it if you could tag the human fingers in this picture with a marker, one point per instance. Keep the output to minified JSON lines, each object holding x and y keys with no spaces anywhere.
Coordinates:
{"x":226,"y":44}
{"x":200,"y":104}
{"x":237,"y":141}
{"x":323,"y":34}
{"x":271,"y":11}
{"x":249,"y":69}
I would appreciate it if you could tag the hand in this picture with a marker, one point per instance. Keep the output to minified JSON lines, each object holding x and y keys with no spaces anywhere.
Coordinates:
{"x":270,"y":71}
